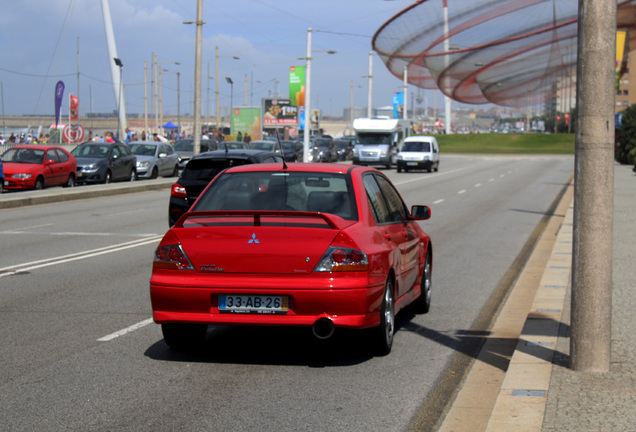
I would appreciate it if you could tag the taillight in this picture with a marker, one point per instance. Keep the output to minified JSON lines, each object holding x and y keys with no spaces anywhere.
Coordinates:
{"x":178,"y":191}
{"x":171,"y":257}
{"x":338,"y":259}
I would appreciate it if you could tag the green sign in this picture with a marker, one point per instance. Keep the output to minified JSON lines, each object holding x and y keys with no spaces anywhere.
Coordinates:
{"x":297,"y":85}
{"x":247,"y":120}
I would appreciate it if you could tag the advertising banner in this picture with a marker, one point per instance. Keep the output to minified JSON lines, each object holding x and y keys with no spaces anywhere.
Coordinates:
{"x":398,"y":104}
{"x":297,"y":85}
{"x":59,"y":92}
{"x":247,"y":121}
{"x":74,"y":110}
{"x":279,"y":112}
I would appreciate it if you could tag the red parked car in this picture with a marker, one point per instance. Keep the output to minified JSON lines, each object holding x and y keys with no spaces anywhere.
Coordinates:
{"x":324,"y":246}
{"x":38,"y":166}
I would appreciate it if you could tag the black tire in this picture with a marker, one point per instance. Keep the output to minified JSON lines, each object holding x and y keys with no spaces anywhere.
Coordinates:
{"x":107,"y":177}
{"x":399,"y":168}
{"x":437,"y":167}
{"x":383,"y":338}
{"x":70,"y":182}
{"x":430,"y":168}
{"x":39,"y":183}
{"x":155,"y":173}
{"x":133,"y":175}
{"x":388,"y":164}
{"x":175,"y":172}
{"x":422,"y":304}
{"x":182,"y":337}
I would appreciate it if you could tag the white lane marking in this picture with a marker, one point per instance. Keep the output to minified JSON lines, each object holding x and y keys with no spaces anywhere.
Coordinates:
{"x":461,"y":192}
{"x":126,"y":330}
{"x":431,"y":177}
{"x":478,"y":185}
{"x":21,"y":229}
{"x":439,"y":201}
{"x":12,"y":270}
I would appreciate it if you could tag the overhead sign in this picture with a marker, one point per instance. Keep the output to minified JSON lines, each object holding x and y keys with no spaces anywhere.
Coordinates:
{"x":247,"y":120}
{"x":279,"y":112}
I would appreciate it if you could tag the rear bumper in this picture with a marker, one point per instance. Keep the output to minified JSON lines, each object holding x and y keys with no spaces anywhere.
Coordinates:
{"x":347,"y":306}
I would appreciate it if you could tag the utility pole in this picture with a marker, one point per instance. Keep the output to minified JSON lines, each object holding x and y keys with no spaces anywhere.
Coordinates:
{"x":196,"y":128}
{"x":590,"y":340}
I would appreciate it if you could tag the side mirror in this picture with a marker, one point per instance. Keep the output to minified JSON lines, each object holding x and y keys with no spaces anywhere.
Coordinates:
{"x":49,"y":162}
{"x":162,"y":155}
{"x":420,"y":212}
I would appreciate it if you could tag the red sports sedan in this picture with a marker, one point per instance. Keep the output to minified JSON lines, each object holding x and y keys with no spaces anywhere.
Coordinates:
{"x":38,"y":166}
{"x":319,"y":245}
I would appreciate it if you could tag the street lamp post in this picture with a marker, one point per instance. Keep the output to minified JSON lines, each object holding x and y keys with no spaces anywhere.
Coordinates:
{"x":307,"y":107}
{"x":217,"y":56}
{"x":231,"y":83}
{"x":178,"y":74}
{"x":196,"y":129}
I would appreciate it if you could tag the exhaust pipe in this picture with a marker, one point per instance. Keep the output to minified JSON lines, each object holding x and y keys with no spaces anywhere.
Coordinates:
{"x":323,"y":328}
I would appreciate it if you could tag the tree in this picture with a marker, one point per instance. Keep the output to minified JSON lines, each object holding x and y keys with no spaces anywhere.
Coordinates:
{"x":625,"y":152}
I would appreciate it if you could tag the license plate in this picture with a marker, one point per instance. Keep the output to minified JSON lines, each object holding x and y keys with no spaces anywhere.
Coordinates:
{"x":253,"y":304}
{"x":411,"y":163}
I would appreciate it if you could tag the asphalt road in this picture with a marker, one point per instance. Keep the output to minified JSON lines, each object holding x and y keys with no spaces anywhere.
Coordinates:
{"x":80,"y":353}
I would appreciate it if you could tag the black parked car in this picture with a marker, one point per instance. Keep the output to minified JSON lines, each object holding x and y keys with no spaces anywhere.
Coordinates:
{"x":185,"y":149}
{"x":344,"y":148}
{"x":102,"y":162}
{"x":204,"y":167}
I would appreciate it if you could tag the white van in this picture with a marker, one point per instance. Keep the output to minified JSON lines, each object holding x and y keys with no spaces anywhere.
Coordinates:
{"x":418,"y":152}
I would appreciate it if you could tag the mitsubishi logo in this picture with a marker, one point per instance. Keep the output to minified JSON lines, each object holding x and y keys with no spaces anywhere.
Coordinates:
{"x":253,"y":239}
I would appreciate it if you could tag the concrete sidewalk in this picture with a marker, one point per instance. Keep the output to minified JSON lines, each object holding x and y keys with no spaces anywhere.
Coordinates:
{"x":538,"y":391}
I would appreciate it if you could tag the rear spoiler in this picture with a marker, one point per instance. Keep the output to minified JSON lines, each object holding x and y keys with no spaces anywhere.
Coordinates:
{"x":333,"y":221}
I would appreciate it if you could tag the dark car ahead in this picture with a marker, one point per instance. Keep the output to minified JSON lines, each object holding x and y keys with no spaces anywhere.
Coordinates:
{"x":185,"y":149}
{"x":102,"y":162}
{"x":293,"y":150}
{"x":344,"y":148}
{"x":324,"y":149}
{"x":202,"y":168}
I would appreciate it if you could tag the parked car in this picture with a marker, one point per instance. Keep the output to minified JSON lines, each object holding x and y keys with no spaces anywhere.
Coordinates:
{"x":1,"y":177}
{"x":292,"y":150}
{"x":266,"y":145}
{"x":204,"y":167}
{"x":185,"y":149}
{"x":311,"y":245}
{"x":102,"y":162}
{"x":324,"y":149}
{"x":155,"y":159}
{"x":233,"y":145}
{"x":37,"y":167}
{"x":418,"y":152}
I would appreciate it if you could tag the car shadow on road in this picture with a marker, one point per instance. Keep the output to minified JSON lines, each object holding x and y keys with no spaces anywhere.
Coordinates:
{"x":271,"y":346}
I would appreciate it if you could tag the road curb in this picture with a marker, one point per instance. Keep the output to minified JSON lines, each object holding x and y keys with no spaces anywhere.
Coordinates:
{"x":26,"y":198}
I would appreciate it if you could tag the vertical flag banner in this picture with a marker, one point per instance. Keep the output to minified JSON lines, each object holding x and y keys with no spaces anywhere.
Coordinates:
{"x":59,"y":92}
{"x":297,"y":85}
{"x":398,"y":104}
{"x":74,"y":109}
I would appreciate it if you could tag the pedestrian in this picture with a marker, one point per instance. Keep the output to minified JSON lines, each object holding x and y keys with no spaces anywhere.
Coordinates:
{"x":239,"y":136}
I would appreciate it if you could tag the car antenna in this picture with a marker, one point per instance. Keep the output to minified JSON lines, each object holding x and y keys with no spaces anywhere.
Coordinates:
{"x":282,"y":153}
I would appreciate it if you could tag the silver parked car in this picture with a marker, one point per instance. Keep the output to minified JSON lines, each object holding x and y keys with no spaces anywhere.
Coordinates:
{"x":155,"y":159}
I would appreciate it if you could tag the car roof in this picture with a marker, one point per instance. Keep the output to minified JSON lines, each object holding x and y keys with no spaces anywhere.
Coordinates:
{"x":234,"y":153}
{"x":418,"y":138}
{"x":35,"y":147}
{"x":332,"y":168}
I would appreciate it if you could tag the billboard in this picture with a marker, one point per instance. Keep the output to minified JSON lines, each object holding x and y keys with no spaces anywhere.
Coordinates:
{"x":247,"y":120}
{"x":297,"y":85}
{"x":279,"y":112}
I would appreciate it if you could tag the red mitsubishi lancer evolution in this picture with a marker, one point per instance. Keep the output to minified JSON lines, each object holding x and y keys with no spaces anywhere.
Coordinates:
{"x":324,"y":246}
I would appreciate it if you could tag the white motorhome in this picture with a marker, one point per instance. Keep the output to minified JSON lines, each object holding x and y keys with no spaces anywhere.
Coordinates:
{"x":378,"y":139}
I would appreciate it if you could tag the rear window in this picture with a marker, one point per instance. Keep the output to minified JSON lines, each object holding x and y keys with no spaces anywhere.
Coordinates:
{"x":207,"y":169}
{"x":295,"y":191}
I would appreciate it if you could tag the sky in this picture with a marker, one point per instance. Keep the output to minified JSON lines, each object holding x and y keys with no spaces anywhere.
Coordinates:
{"x":42,"y":42}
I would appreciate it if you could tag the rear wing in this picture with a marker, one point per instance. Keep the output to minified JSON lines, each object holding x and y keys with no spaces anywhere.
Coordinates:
{"x":258,"y":218}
